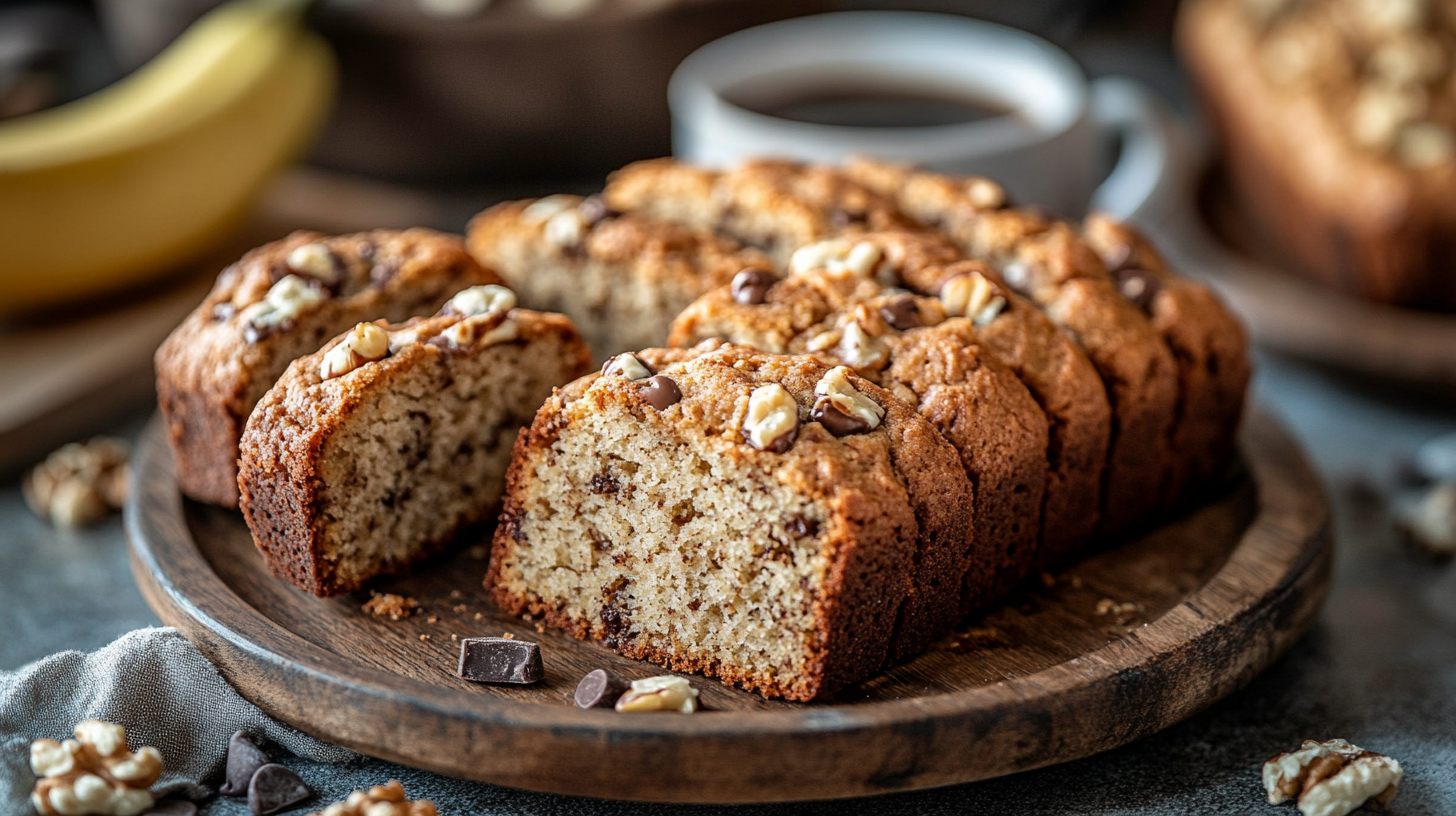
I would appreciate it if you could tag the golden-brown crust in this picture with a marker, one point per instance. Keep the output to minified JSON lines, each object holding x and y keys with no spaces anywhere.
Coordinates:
{"x":1346,"y":216}
{"x":280,"y":478}
{"x":1210,"y":347}
{"x":209,"y":376}
{"x":622,"y":278}
{"x":867,"y":601}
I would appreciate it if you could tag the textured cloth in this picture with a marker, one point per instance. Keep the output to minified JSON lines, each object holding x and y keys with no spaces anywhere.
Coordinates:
{"x":157,"y":685}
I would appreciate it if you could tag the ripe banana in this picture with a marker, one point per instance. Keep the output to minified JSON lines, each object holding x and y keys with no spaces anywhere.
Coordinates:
{"x":140,"y":176}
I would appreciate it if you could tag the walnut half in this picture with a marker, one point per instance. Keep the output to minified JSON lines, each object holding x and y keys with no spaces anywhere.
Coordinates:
{"x":381,"y":800}
{"x":93,"y":773}
{"x":1331,"y":778}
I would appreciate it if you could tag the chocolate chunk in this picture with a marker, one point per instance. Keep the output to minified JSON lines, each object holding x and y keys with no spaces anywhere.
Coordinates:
{"x":750,"y":287}
{"x":835,"y":421}
{"x":500,"y":660}
{"x":600,"y":689}
{"x":661,"y":392}
{"x":593,"y":209}
{"x":800,"y":527}
{"x":1138,"y":286}
{"x":244,"y":758}
{"x":901,"y":313}
{"x":274,"y":788}
{"x":172,"y":807}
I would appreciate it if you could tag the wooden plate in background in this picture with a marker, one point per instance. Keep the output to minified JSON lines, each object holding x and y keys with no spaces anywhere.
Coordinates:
{"x":1043,"y":679}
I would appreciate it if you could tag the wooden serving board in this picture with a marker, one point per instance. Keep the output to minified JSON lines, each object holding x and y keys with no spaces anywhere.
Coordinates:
{"x":1042,"y":679}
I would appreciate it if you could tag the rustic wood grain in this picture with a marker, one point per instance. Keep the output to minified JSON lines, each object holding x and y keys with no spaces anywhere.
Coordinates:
{"x":1040,"y":680}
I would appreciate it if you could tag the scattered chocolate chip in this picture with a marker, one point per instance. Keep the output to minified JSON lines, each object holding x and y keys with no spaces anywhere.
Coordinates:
{"x":750,"y":287}
{"x":172,"y":807}
{"x":835,"y":421}
{"x":661,"y":392}
{"x":223,"y":311}
{"x":244,"y":758}
{"x":500,"y":660}
{"x":599,"y":689}
{"x":603,"y":483}
{"x":901,"y":313}
{"x":593,"y":209}
{"x":274,"y":788}
{"x":1138,"y":286}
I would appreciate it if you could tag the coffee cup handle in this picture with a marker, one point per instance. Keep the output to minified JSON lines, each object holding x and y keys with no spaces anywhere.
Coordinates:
{"x":1155,"y":149}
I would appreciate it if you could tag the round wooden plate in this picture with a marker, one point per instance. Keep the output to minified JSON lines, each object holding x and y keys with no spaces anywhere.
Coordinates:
{"x":1204,"y":604}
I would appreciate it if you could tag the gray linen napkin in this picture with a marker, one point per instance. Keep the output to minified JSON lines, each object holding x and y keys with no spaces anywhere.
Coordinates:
{"x":157,"y":685}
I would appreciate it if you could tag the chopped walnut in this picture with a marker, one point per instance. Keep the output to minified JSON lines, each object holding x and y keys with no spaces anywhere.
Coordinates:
{"x":664,"y":693}
{"x":772,"y":420}
{"x":1432,"y":526}
{"x":285,"y":301}
{"x":974,"y":296}
{"x":836,"y":388}
{"x":80,"y":483}
{"x":855,"y":257}
{"x":389,"y":605}
{"x":381,"y":800}
{"x":365,"y":344}
{"x":1331,"y":778}
{"x":861,"y":351}
{"x":482,"y":300}
{"x":93,"y":773}
{"x":1122,"y":613}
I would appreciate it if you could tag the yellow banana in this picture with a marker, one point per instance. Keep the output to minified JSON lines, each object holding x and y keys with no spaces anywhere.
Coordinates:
{"x":141,"y":176}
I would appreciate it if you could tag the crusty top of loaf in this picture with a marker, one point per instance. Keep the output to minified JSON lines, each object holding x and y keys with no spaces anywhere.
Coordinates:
{"x":656,"y":251}
{"x":215,"y":347}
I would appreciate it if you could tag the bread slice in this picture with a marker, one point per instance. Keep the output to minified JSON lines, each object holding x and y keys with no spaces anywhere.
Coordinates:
{"x":938,"y":364}
{"x":373,"y":452}
{"x":1047,"y":262}
{"x":620,"y":277}
{"x":701,"y":517}
{"x":281,"y":301}
{"x":1208,"y":343}
{"x":776,"y":206}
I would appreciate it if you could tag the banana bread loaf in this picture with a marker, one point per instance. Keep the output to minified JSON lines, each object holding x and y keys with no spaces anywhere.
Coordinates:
{"x":373,"y":452}
{"x":781,"y":525}
{"x":621,"y":278}
{"x":281,"y":301}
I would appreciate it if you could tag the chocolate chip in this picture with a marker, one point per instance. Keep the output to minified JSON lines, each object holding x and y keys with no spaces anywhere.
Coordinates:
{"x":593,"y":209}
{"x":750,"y":287}
{"x":500,"y":660}
{"x":800,"y":527}
{"x":835,"y":421}
{"x":274,"y":788}
{"x":599,"y":689}
{"x":603,"y":483}
{"x":1138,"y":286}
{"x":172,"y":807}
{"x":223,"y":311}
{"x":661,"y":392}
{"x":901,"y":313}
{"x":244,"y":758}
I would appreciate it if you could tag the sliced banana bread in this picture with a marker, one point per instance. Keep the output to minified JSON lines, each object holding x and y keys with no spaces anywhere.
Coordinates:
{"x":767,"y":520}
{"x":373,"y":452}
{"x":281,"y":301}
{"x":620,"y":277}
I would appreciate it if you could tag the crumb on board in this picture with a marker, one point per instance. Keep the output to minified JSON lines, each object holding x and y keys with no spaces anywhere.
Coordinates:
{"x":432,"y":619}
{"x":508,"y":636}
{"x":455,"y":593}
{"x":389,"y":605}
{"x":478,"y":552}
{"x":1123,"y":613}
{"x":424,"y":637}
{"x":458,"y":609}
{"x":479,"y":615}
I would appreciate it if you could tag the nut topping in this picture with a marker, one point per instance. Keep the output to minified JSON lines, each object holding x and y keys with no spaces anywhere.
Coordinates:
{"x":290,"y":297}
{"x":841,"y":408}
{"x":972,"y":295}
{"x":664,"y":693}
{"x":661,"y":392}
{"x":627,"y":365}
{"x":481,"y":300}
{"x":750,"y":287}
{"x":316,"y":261}
{"x":858,"y":349}
{"x":985,"y":194}
{"x":381,"y":800}
{"x":541,"y":210}
{"x":93,"y":773}
{"x":467,"y":332}
{"x":836,"y":257}
{"x":365,"y":344}
{"x":567,"y":228}
{"x":1331,"y":778}
{"x":772,"y":423}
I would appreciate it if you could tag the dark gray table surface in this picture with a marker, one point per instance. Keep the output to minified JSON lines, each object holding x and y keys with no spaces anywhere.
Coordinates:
{"x":1378,"y":668}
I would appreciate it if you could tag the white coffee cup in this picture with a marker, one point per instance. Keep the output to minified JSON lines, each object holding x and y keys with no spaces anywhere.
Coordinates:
{"x":1048,"y":152}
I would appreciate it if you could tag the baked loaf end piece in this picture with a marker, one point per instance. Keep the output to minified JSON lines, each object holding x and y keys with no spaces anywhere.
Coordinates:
{"x":774,"y":205}
{"x":1208,"y":343}
{"x":281,"y":301}
{"x":937,"y":363}
{"x":1338,"y":123}
{"x":620,"y":277}
{"x":701,"y":518}
{"x":373,"y":452}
